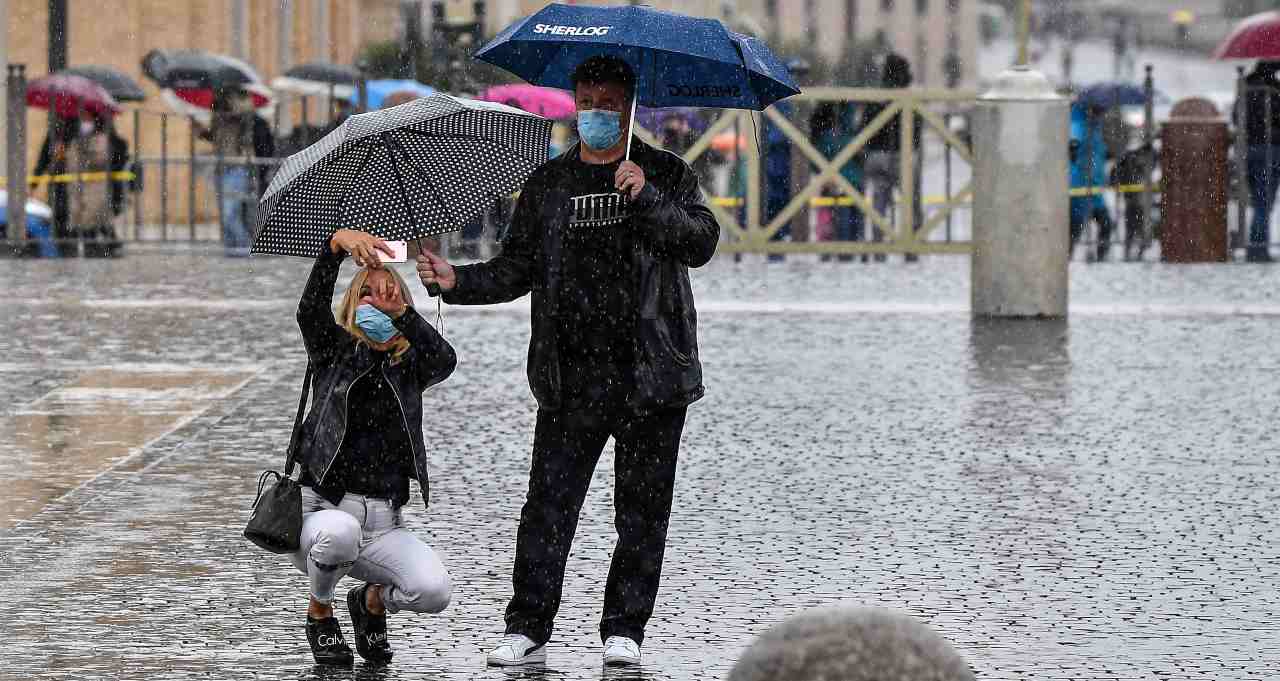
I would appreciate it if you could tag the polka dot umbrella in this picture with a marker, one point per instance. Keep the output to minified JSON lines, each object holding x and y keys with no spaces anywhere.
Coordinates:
{"x":415,"y":170}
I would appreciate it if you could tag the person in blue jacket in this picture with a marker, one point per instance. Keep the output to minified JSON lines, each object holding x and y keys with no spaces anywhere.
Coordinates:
{"x":1088,"y":155}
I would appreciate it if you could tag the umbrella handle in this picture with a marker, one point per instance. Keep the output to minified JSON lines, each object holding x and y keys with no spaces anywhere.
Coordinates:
{"x":433,"y":289}
{"x":631,"y":122}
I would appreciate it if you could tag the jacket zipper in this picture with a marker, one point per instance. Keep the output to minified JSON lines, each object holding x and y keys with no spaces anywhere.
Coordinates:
{"x":403,"y":419}
{"x":346,"y":416}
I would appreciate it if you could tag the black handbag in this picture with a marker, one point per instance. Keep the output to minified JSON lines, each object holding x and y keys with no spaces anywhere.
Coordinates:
{"x":276,"y":521}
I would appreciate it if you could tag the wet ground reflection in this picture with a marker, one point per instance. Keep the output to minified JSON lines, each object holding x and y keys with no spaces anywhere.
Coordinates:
{"x":1062,"y":501}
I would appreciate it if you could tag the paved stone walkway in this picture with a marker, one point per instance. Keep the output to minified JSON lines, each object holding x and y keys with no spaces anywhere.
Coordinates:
{"x":1092,"y":501}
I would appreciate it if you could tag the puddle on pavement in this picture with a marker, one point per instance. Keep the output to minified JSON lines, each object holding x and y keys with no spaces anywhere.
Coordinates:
{"x":104,"y":415}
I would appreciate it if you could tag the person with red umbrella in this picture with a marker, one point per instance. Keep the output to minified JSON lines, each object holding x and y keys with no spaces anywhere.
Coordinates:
{"x":81,"y":139}
{"x":238,"y":134}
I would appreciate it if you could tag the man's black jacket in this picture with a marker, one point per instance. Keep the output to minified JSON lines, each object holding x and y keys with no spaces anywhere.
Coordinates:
{"x":674,"y":231}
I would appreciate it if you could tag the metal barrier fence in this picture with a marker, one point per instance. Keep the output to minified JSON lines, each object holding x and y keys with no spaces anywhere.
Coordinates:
{"x":918,"y":204}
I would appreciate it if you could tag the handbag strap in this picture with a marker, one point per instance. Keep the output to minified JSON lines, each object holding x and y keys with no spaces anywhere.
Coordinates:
{"x":291,"y":454}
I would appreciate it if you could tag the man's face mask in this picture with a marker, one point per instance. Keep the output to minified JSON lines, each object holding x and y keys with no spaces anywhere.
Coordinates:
{"x":600,"y":129}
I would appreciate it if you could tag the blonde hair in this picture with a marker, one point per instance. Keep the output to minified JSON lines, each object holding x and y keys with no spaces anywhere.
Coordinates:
{"x":346,"y":311}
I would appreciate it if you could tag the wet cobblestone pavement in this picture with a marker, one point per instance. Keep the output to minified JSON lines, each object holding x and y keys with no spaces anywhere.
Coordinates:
{"x":1095,"y":500}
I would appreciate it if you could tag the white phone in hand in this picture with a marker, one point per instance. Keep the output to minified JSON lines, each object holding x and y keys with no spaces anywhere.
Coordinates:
{"x":401,"y":250}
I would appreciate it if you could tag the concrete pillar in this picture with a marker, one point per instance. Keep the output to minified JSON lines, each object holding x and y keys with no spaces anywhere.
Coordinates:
{"x":16,"y":150}
{"x":1020,"y":206}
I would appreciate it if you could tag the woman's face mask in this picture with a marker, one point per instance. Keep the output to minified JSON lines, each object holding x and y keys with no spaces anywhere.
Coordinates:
{"x":375,"y":324}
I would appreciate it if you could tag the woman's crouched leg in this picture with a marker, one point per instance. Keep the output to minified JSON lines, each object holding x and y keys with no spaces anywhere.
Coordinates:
{"x":412,"y":574}
{"x":330,"y":543}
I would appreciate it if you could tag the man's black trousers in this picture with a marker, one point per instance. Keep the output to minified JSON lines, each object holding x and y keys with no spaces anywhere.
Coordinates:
{"x":566,"y":446}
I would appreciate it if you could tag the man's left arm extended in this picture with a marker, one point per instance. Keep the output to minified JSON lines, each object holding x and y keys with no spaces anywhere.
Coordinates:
{"x":678,"y":224}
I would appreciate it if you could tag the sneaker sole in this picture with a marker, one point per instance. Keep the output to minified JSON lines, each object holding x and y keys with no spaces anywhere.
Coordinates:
{"x":621,"y":661}
{"x":536,"y":657}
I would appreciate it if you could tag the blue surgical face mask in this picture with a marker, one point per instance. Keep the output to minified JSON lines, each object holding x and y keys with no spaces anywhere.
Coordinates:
{"x":375,"y":324}
{"x":600,"y":129}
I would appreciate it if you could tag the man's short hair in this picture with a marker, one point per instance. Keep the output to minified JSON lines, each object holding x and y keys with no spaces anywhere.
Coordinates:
{"x":850,"y":644}
{"x":603,"y":69}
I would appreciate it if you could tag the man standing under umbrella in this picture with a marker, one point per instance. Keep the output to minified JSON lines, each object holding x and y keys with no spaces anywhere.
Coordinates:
{"x":604,"y":244}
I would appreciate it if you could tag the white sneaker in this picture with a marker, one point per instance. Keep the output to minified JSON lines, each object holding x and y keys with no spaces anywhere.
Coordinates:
{"x":516,"y":649}
{"x":620,"y":651}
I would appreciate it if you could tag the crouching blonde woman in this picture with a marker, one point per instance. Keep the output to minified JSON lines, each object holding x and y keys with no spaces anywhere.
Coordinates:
{"x":361,"y":445}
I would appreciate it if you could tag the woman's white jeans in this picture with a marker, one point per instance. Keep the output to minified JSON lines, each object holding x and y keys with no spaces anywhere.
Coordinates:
{"x":365,"y":538}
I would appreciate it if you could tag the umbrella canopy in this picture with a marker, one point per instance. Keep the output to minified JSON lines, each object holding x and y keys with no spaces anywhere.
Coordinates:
{"x":378,"y":90}
{"x":422,"y":168}
{"x":544,"y":101}
{"x":678,"y":60}
{"x":121,"y":87}
{"x":1115,"y":94}
{"x":319,"y":79}
{"x":1257,"y":37}
{"x":67,"y":95}
{"x":197,"y":69}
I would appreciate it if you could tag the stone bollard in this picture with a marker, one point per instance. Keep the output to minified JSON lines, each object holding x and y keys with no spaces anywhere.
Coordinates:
{"x":1020,"y":202}
{"x":850,"y":644}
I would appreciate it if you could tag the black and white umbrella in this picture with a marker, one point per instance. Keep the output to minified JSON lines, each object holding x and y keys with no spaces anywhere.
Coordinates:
{"x":415,"y":170}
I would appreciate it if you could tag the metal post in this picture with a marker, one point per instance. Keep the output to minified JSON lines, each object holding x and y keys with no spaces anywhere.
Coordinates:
{"x":57,"y":35}
{"x":947,"y":176}
{"x":218,"y":170}
{"x":164,"y":177}
{"x":138,"y":182}
{"x":1266,"y":173}
{"x":191,"y":179}
{"x":16,"y":151}
{"x":753,"y":187}
{"x":1020,"y":211}
{"x":907,"y":169}
{"x":1242,"y":158}
{"x":79,"y":196}
{"x":1148,"y":149}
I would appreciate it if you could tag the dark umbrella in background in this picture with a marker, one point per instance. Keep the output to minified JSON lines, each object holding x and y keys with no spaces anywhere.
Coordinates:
{"x":196,"y":69}
{"x":121,"y":87}
{"x":1106,"y":95}
{"x":195,"y":77}
{"x":67,"y":95}
{"x":411,"y":171}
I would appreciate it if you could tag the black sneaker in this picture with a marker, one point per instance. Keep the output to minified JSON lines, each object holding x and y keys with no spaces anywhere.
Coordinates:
{"x":371,"y":630}
{"x":327,"y":644}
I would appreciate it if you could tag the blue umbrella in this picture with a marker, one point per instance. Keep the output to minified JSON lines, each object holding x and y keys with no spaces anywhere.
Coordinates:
{"x":678,"y":60}
{"x":1107,"y":95}
{"x":377,"y":90}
